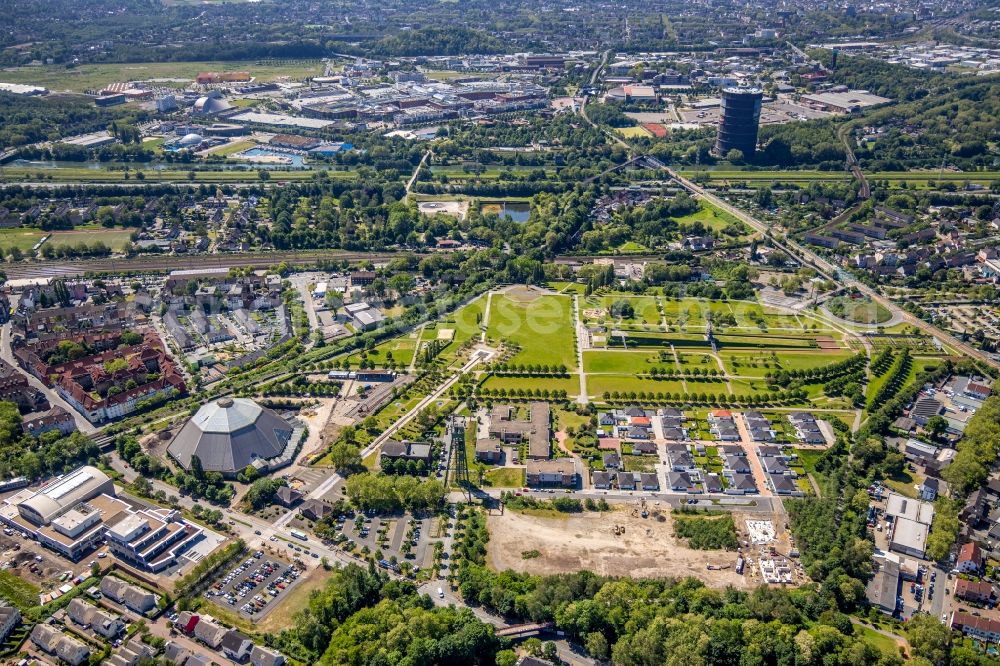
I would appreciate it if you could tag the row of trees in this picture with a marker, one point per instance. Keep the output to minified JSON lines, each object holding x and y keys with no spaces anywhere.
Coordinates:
{"x":529,"y":369}
{"x":664,"y":397}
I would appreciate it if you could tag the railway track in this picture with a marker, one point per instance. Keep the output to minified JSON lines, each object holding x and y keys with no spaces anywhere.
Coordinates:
{"x":42,"y":269}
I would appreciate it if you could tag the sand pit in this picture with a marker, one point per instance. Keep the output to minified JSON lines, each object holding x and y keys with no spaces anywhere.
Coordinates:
{"x":576,"y":542}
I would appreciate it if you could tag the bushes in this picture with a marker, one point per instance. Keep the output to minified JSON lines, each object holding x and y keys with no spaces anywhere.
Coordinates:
{"x":388,"y":494}
{"x":707,"y":533}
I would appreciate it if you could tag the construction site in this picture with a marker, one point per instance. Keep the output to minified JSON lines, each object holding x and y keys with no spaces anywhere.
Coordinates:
{"x":635,"y":540}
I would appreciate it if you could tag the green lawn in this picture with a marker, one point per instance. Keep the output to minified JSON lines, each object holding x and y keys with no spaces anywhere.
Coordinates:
{"x":711,"y":217}
{"x":506,"y":477}
{"x":883,"y":643}
{"x":540,"y":327}
{"x":598,"y":384}
{"x":464,"y":323}
{"x":623,"y":362}
{"x":645,"y":308}
{"x":18,"y":591}
{"x":96,"y":76}
{"x":758,"y":364}
{"x":571,"y":385}
{"x":397,"y":352}
{"x":25,"y":238}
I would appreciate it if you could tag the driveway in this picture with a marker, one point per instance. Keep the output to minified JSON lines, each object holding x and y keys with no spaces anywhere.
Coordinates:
{"x":759,"y":476}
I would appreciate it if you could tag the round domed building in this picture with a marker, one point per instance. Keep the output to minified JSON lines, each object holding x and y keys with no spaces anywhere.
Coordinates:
{"x":231,"y":434}
{"x":191,"y":140}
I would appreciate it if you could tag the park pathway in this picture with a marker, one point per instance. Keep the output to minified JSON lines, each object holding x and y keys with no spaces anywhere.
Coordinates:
{"x":416,"y":349}
{"x":677,"y":364}
{"x":584,"y":396}
{"x":486,"y":315}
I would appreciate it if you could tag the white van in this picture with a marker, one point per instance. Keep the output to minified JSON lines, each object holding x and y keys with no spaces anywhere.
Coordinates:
{"x":440,"y":593}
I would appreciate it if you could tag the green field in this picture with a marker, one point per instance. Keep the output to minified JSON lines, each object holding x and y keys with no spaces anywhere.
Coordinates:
{"x":570,"y":385}
{"x":758,"y":364}
{"x":25,"y":238}
{"x":233,"y":148}
{"x":465,"y":322}
{"x":712,"y":217}
{"x":644,"y":307}
{"x":598,"y":384}
{"x":860,"y":311}
{"x":18,"y":591}
{"x":506,"y":477}
{"x":622,"y":362}
{"x":633,"y":132}
{"x":397,"y":352}
{"x":95,"y":76}
{"x":539,"y":325}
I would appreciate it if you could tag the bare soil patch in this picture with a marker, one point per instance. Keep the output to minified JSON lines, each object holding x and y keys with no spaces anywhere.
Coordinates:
{"x":647,"y":549}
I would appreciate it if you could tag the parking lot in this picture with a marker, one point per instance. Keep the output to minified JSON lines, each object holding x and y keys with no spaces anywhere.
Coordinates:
{"x":256,"y":586}
{"x":404,"y":537}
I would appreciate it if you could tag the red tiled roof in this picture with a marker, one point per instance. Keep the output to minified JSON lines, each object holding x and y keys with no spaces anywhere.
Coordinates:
{"x":970,"y":552}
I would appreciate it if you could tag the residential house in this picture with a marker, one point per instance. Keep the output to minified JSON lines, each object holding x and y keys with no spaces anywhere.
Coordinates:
{"x":737,"y":464}
{"x":680,"y":458}
{"x":929,"y":489}
{"x":10,"y":617}
{"x":261,"y":656}
{"x":235,"y":645}
{"x":713,"y":484}
{"x":601,"y":480}
{"x":681,"y":482}
{"x":56,"y":643}
{"x":209,"y":632}
{"x":489,"y":451}
{"x":645,"y":447}
{"x":314,"y":509}
{"x":981,"y":628}
{"x":102,"y":622}
{"x":741,"y":484}
{"x":970,"y":558}
{"x":131,"y":596}
{"x":287,"y":496}
{"x":559,"y":472}
{"x":973,"y":590}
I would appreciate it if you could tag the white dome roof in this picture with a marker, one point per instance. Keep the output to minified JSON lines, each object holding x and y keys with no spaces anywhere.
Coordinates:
{"x":191,"y":139}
